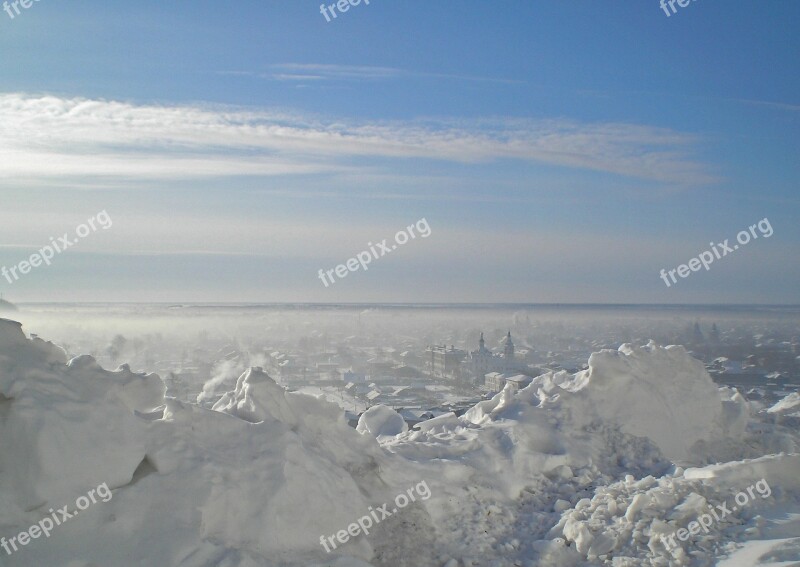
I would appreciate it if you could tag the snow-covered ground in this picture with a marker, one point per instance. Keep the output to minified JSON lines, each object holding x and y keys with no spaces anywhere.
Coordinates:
{"x":600,"y":467}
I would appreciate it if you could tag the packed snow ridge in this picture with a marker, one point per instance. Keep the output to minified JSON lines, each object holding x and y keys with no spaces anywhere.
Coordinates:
{"x":585,"y":469}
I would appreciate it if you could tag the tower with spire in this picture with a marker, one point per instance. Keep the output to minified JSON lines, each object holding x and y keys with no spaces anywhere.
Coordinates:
{"x":481,"y":360}
{"x":482,"y":346}
{"x":508,"y":349}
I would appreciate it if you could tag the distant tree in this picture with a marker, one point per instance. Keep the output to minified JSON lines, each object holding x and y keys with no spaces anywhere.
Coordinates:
{"x":714,"y":333}
{"x":697,"y":335}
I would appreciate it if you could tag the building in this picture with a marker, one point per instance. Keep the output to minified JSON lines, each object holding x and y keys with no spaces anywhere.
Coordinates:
{"x":483,"y":361}
{"x":496,"y":381}
{"x":355,"y":377}
{"x":445,"y":362}
{"x":508,"y":351}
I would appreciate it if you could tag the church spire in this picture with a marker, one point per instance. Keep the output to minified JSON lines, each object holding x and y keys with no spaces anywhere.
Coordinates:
{"x":508,"y":351}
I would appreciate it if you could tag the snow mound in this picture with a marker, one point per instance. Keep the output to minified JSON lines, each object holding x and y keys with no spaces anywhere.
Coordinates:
{"x":622,"y":518}
{"x":381,"y":420}
{"x":256,"y":482}
{"x":660,"y":393}
{"x":790,"y":405}
{"x":633,"y":411}
{"x":572,"y":470}
{"x":55,"y":417}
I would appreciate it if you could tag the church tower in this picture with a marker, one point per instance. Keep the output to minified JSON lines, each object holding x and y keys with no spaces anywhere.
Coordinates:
{"x":508,"y":350}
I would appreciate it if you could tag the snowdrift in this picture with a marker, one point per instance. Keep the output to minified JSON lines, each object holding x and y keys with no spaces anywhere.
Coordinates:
{"x":572,"y":470}
{"x":661,"y":394}
{"x":638,"y":410}
{"x":56,"y":415}
{"x":379,"y":421}
{"x":265,"y":475}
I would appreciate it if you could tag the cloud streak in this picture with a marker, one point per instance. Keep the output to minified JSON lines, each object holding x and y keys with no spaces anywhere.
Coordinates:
{"x":300,"y":72}
{"x":47,"y":137}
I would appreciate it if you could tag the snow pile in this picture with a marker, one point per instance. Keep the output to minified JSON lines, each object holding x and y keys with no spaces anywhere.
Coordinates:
{"x":627,"y":412}
{"x":632,"y":520}
{"x":660,"y":393}
{"x":572,"y":470}
{"x":66,"y":427}
{"x":381,"y":420}
{"x":788,"y":406}
{"x":736,"y":413}
{"x":533,"y":456}
{"x":256,"y":482}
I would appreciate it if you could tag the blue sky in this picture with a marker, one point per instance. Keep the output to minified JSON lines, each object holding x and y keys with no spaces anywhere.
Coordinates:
{"x":560,"y":151}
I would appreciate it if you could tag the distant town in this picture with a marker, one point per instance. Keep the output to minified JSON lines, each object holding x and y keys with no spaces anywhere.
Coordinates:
{"x":426,"y":362}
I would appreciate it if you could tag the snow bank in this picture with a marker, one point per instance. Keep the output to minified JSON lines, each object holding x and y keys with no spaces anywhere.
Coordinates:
{"x":539,"y":455}
{"x":381,"y":420}
{"x":256,"y":482}
{"x":790,"y":405}
{"x":632,"y":518}
{"x":56,"y":416}
{"x":629,"y":409}
{"x":660,"y":393}
{"x":782,"y":470}
{"x":572,"y":470}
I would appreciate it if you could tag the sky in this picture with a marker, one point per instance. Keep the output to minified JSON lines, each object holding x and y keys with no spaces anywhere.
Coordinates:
{"x":559,"y":152}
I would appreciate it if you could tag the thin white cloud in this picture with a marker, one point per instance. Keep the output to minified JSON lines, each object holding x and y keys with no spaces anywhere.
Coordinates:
{"x":46,"y":137}
{"x":318,"y":72}
{"x":297,"y":77}
{"x":778,"y":105}
{"x":298,"y":71}
{"x":362,"y":72}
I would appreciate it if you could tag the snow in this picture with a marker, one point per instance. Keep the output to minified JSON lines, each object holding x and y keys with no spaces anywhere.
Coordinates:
{"x":58,"y":414}
{"x":381,"y":420}
{"x":787,"y":406}
{"x":591,"y":468}
{"x":636,"y":388}
{"x":236,"y":484}
{"x":778,"y":545}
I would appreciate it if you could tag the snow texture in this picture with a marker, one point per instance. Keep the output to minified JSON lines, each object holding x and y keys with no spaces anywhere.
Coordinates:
{"x":584,"y":469}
